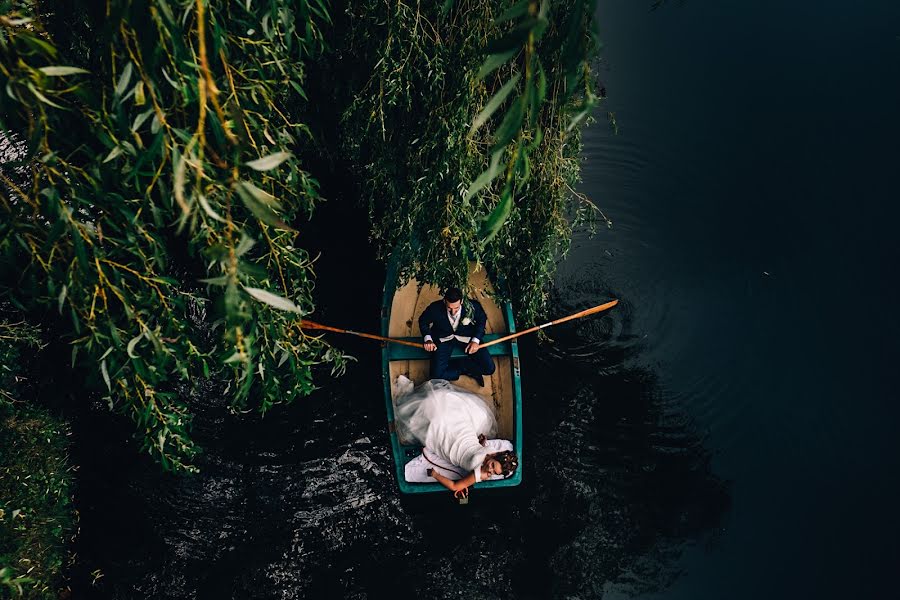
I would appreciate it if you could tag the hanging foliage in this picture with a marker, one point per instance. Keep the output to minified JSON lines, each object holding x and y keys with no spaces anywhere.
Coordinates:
{"x":153,"y":183}
{"x":465,"y":126}
{"x":162,"y":190}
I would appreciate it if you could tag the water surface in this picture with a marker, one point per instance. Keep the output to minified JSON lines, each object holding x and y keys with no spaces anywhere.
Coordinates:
{"x":729,"y":430}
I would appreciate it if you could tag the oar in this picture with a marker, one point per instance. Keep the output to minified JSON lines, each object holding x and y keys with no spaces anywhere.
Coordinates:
{"x":577,"y":315}
{"x":313,"y":325}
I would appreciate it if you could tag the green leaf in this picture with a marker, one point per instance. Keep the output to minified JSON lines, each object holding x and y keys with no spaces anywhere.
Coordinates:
{"x":514,"y":12}
{"x":124,"y":80}
{"x":132,"y":344}
{"x":589,"y":103}
{"x":113,"y":153}
{"x":536,"y":94}
{"x":523,"y":167}
{"x":208,"y":209}
{"x":510,"y":126}
{"x":536,"y":141}
{"x":232,"y":299}
{"x":539,"y":28}
{"x":170,"y":80}
{"x":299,"y":89}
{"x":61,"y":71}
{"x":324,"y":10}
{"x":41,"y":97}
{"x":494,"y":61}
{"x":139,"y":120}
{"x":62,"y":297}
{"x":544,"y":9}
{"x":236,"y":357}
{"x":273,"y":300}
{"x":486,"y":177}
{"x":180,"y":174}
{"x":494,"y":103}
{"x":139,"y":97}
{"x":541,"y":83}
{"x":260,"y":195}
{"x":267,"y":163}
{"x":36,"y":43}
{"x":105,"y":374}
{"x":244,"y":245}
{"x":221,"y":280}
{"x":260,"y":210}
{"x":80,"y":251}
{"x":494,"y":221}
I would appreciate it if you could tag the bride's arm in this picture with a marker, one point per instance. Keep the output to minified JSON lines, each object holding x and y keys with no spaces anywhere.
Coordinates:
{"x":454,"y":486}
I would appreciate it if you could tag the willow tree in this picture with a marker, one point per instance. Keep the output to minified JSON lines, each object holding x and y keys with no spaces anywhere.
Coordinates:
{"x":156,"y":201}
{"x":465,"y":122}
{"x":162,"y":188}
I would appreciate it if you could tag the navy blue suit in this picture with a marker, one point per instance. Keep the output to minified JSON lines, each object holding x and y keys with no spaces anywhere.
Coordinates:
{"x":435,"y":322}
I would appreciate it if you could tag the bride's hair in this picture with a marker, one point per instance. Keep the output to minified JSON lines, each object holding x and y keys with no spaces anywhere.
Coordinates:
{"x":508,"y":461}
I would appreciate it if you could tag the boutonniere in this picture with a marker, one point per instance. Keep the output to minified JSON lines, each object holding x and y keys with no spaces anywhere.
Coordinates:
{"x":467,"y":321}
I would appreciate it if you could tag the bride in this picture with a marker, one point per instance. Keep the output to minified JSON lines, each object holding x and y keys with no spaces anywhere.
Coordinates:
{"x":453,"y":424}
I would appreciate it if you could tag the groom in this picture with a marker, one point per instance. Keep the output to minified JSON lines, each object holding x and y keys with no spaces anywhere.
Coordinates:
{"x":447,"y":324}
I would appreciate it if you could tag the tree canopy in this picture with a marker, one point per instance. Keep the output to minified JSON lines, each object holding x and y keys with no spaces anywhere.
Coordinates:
{"x":154,"y":183}
{"x":465,"y":122}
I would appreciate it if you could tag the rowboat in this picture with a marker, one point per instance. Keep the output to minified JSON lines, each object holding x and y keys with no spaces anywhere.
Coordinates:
{"x":502,"y":391}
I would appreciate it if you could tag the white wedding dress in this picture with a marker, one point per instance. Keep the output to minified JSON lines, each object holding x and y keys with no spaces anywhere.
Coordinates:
{"x":446,"y":419}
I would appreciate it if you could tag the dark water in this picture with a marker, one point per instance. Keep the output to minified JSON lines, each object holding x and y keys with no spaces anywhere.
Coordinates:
{"x":728,"y":431}
{"x":754,"y":189}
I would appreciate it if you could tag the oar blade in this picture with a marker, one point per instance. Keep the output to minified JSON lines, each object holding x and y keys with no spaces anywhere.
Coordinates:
{"x":578,"y":315}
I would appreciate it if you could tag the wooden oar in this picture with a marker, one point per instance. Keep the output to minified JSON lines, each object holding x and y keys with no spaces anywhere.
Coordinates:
{"x":313,"y":325}
{"x":577,"y":315}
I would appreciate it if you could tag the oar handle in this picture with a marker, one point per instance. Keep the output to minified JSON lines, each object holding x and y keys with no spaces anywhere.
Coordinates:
{"x":313,"y":325}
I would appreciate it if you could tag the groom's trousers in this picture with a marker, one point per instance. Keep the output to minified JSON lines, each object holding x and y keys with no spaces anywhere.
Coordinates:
{"x":443,"y":367}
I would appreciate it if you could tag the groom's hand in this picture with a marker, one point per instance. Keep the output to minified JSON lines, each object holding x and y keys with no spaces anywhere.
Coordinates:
{"x":430,"y":346}
{"x":472,"y":348}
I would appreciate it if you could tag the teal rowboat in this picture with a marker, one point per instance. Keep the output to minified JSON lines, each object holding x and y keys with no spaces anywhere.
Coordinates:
{"x":502,"y":390}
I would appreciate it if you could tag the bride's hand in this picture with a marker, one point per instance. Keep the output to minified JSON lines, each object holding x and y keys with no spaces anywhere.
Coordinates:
{"x":463,"y":493}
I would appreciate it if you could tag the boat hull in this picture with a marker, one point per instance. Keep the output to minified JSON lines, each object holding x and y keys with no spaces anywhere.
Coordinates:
{"x":502,"y":390}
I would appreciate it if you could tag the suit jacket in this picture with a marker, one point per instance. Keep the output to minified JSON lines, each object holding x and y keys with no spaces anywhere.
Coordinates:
{"x":434,"y":321}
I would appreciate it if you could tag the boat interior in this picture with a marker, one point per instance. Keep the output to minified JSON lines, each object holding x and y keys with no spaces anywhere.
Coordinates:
{"x":408,"y":304}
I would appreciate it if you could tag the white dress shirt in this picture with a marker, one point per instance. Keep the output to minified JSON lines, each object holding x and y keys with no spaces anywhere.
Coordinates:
{"x":454,"y":323}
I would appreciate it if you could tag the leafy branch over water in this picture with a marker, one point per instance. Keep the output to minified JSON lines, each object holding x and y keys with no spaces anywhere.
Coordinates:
{"x":161,"y":190}
{"x":446,"y":177}
{"x":155,"y":198}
